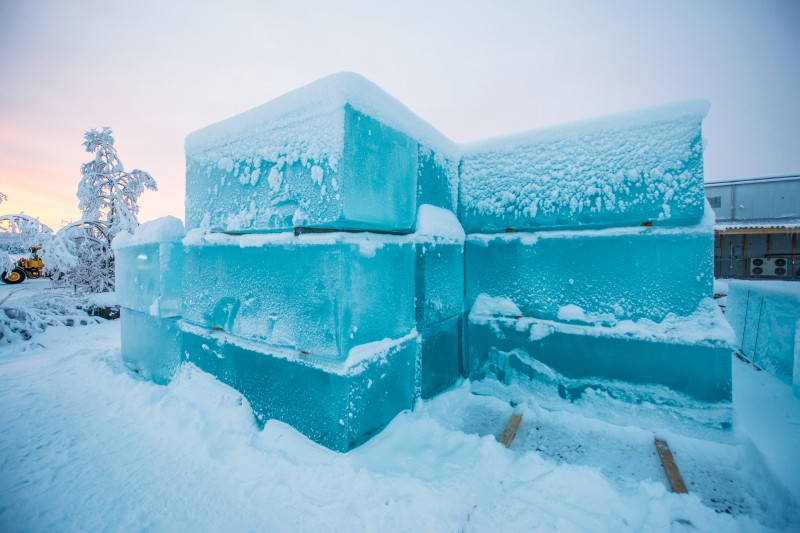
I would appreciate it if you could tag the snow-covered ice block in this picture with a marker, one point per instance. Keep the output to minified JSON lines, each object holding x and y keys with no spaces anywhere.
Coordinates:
{"x":339,"y":405}
{"x":150,"y":345}
{"x":765,"y":316}
{"x":440,"y":354}
{"x":320,"y":294}
{"x":627,"y":169}
{"x":149,"y":267}
{"x":439,"y":244}
{"x":339,"y":153}
{"x":593,"y":276}
{"x":689,"y":355}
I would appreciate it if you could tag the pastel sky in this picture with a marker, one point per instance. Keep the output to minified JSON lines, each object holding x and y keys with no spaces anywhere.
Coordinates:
{"x":157,"y":70}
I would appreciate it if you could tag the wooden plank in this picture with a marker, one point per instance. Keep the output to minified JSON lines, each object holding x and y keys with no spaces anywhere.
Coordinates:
{"x":511,"y":430}
{"x":670,"y":468}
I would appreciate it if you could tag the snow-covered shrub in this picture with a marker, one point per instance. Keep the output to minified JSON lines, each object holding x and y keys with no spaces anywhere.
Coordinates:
{"x":80,"y":257}
{"x":23,"y":317}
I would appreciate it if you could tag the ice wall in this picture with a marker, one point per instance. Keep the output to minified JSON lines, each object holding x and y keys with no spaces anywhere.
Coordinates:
{"x":765,"y":316}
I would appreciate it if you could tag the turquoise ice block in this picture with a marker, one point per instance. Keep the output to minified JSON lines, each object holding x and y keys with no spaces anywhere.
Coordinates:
{"x":320,"y":294}
{"x":148,"y":277}
{"x":628,"y":169}
{"x":765,"y":316}
{"x":610,"y":275}
{"x":439,"y":280}
{"x":338,"y":154}
{"x":508,"y":349}
{"x":150,"y":345}
{"x":440,"y":354}
{"x":337,"y":405}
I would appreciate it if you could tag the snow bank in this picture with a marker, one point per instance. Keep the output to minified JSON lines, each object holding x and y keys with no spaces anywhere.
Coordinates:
{"x":438,"y":468}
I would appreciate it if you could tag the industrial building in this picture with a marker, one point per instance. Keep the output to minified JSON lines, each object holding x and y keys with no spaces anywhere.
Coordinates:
{"x":757,"y":226}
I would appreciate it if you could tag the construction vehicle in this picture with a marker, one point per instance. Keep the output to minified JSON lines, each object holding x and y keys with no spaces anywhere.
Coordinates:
{"x":30,"y":267}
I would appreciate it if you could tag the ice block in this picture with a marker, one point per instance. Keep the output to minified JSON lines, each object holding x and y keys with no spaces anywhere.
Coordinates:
{"x":594,"y":276}
{"x":338,"y":405}
{"x":687,"y":357}
{"x":440,"y":353}
{"x":439,"y":281}
{"x":319,"y":294}
{"x":149,"y":267}
{"x":339,"y":153}
{"x":150,"y":345}
{"x":623,"y":170}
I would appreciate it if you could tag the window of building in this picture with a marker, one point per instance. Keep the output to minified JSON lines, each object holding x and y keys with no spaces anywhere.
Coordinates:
{"x":715,"y":201}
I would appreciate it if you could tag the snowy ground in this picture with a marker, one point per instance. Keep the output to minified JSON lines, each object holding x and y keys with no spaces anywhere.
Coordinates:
{"x":85,"y":444}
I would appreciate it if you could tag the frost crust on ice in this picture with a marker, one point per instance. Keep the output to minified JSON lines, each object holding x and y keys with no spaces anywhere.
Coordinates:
{"x":642,"y":165}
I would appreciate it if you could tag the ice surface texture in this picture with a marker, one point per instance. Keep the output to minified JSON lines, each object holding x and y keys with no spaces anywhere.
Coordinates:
{"x":317,"y":294}
{"x":339,"y":407}
{"x":594,"y":276}
{"x":765,"y":317}
{"x":148,"y":277}
{"x":339,"y":153}
{"x":440,"y":353}
{"x":645,"y":166}
{"x":150,"y":345}
{"x":508,"y":349}
{"x":439,"y":281}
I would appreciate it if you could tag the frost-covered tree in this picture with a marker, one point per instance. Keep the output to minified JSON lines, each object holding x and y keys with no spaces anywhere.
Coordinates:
{"x":80,"y":257}
{"x":108,"y":193}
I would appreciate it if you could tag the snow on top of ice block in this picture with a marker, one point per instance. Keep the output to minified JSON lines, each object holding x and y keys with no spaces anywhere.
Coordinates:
{"x":306,"y":109}
{"x":357,"y":359}
{"x":164,"y":229}
{"x":372,"y":350}
{"x":432,"y":222}
{"x":674,"y":112}
{"x":486,"y":305}
{"x":609,"y":164}
{"x":437,"y":222}
{"x":706,"y":325}
{"x":532,"y":237}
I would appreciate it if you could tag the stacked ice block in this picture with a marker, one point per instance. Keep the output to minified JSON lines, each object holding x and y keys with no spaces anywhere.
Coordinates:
{"x":439,"y":297}
{"x":588,"y":251}
{"x":325,"y":274}
{"x":320,"y":302}
{"x":149,"y":269}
